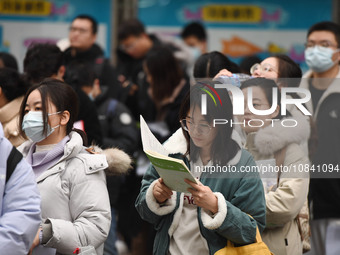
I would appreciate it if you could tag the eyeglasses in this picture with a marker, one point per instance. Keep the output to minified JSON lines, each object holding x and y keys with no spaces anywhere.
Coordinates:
{"x":129,"y":46}
{"x":265,"y":68}
{"x":325,"y":44}
{"x":189,"y":125}
{"x":81,"y":30}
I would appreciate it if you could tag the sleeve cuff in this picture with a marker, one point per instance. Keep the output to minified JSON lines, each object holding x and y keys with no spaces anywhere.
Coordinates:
{"x":155,"y":207}
{"x":46,"y":232}
{"x":214,"y":221}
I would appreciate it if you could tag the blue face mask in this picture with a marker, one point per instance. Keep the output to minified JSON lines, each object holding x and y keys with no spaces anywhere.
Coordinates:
{"x":195,"y":52}
{"x":319,"y":58}
{"x":33,"y":126}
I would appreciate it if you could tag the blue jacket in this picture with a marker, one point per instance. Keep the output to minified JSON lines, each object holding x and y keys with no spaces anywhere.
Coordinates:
{"x":238,"y":194}
{"x":19,"y":204}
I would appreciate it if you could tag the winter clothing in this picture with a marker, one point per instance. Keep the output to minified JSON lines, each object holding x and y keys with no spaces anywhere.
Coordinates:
{"x":295,"y":114}
{"x":9,"y":118}
{"x":88,"y":114}
{"x":19,"y":204}
{"x":325,"y":191}
{"x":283,"y":204}
{"x":75,"y":203}
{"x":119,"y":130}
{"x":41,"y":161}
{"x":238,"y":194}
{"x":132,"y":69}
{"x":104,"y":70}
{"x":118,"y":127}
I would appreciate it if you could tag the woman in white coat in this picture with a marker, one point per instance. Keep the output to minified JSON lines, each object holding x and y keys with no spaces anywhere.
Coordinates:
{"x":75,"y":204}
{"x":267,"y":138}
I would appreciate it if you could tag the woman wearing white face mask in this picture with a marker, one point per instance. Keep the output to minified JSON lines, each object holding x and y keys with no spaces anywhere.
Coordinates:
{"x":75,"y":204}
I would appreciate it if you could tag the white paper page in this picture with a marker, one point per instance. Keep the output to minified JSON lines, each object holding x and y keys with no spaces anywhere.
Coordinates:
{"x":149,"y":141}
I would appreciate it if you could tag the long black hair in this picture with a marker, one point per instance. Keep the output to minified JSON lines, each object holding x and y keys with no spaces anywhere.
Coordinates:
{"x":209,"y":64}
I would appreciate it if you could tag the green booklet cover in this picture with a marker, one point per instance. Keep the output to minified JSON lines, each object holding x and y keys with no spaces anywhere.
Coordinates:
{"x":173,"y":171}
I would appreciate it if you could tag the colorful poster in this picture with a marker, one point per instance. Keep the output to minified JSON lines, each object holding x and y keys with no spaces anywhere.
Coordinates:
{"x":23,"y":22}
{"x":241,"y":28}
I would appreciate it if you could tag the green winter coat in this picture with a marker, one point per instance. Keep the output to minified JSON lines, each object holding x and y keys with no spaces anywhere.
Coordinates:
{"x":239,"y":194}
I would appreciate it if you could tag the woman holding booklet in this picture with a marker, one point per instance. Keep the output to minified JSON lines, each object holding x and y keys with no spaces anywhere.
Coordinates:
{"x":217,"y":208}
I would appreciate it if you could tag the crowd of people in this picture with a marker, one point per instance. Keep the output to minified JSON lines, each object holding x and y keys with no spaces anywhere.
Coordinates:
{"x":74,"y":176}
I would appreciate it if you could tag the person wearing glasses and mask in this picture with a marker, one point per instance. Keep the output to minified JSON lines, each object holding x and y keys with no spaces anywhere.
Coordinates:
{"x":322,"y":56}
{"x":201,"y":220}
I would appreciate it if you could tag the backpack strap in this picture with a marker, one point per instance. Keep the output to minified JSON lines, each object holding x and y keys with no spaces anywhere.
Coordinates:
{"x":13,"y":159}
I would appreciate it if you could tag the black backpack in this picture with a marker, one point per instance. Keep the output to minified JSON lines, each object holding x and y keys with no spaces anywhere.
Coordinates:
{"x":13,"y":159}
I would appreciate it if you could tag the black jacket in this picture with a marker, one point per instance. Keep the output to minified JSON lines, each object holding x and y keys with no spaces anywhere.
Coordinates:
{"x":119,"y":130}
{"x":88,"y":114}
{"x":325,"y":191}
{"x":101,"y":65}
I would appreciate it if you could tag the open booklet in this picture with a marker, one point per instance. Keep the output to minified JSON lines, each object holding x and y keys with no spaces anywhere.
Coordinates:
{"x":173,"y":171}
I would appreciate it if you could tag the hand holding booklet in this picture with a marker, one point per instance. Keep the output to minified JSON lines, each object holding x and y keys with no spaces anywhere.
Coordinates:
{"x":173,"y":171}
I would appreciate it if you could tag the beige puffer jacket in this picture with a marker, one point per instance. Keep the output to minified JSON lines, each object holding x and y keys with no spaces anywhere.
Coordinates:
{"x":281,"y":233}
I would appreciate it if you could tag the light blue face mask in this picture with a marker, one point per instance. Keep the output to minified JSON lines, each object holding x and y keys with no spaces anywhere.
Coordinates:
{"x":33,"y":126}
{"x":319,"y":58}
{"x":195,"y":52}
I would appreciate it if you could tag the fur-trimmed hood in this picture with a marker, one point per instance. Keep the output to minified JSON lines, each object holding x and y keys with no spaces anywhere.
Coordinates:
{"x":177,"y":144}
{"x":273,"y":138}
{"x":118,"y":161}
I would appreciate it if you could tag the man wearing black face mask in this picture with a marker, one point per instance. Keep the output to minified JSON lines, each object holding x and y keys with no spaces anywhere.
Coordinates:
{"x":322,"y":56}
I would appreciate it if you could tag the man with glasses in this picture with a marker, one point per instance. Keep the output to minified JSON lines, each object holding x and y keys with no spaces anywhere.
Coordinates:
{"x":322,"y":56}
{"x":83,"y":48}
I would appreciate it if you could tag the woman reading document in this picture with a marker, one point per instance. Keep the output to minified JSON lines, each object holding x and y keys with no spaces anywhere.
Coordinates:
{"x":217,"y":209}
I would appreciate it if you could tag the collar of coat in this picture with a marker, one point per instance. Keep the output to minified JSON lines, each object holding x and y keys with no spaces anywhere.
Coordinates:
{"x":333,"y":88}
{"x":117,"y":161}
{"x":273,"y":138}
{"x":177,"y":144}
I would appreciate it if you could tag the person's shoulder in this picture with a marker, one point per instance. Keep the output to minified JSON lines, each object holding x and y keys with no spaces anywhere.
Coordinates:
{"x":295,"y":154}
{"x":84,"y":167}
{"x":246,"y":157}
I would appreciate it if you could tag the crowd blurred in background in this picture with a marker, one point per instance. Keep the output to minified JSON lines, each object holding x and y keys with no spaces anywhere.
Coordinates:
{"x":151,"y":78}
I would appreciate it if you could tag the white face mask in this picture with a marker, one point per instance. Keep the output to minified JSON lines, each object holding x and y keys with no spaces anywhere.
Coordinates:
{"x":319,"y":58}
{"x":33,"y":126}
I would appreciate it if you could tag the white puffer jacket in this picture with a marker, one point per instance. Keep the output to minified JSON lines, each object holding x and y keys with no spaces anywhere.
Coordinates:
{"x":74,"y":197}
